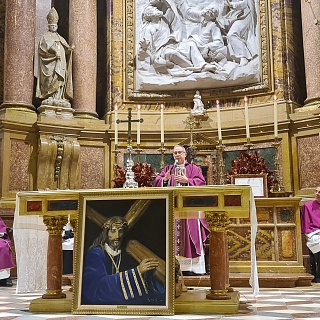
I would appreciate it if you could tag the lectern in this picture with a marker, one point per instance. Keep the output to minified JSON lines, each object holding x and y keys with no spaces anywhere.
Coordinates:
{"x":216,"y":203}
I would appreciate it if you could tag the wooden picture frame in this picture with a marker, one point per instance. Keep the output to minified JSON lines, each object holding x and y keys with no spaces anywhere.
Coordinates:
{"x":258,"y":183}
{"x":110,"y":283}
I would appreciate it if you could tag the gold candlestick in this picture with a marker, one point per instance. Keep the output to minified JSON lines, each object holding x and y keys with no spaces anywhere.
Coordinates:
{"x":138,"y":151}
{"x":162,"y":150}
{"x":116,"y":152}
{"x":220,"y":148}
{"x":248,"y":145}
{"x":279,"y":186}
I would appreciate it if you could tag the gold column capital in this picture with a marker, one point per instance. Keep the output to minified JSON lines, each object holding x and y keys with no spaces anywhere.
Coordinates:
{"x":217,"y":220}
{"x":55,"y":224}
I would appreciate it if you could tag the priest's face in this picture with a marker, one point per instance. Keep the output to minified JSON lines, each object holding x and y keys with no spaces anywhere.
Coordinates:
{"x":179,"y":154}
{"x":318,"y":194}
{"x":115,"y":236}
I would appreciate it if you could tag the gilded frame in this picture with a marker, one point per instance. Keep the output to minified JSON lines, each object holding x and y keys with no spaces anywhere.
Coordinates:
{"x":265,"y":84}
{"x":150,"y":233}
{"x":258,"y":183}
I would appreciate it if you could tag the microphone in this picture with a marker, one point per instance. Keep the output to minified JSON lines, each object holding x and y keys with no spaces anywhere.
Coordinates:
{"x":175,"y":162}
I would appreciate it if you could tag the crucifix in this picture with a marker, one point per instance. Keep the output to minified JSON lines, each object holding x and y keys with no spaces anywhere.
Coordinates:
{"x":129,"y":124}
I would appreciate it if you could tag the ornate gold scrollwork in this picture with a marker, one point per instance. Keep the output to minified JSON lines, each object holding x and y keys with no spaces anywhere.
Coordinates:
{"x":217,"y":220}
{"x":60,"y":148}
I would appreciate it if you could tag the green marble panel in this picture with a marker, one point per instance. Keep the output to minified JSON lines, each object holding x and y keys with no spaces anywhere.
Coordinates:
{"x":153,"y":159}
{"x":266,"y":153}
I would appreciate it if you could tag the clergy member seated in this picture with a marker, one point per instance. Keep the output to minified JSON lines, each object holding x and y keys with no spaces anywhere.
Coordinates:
{"x":310,"y":226}
{"x":112,"y":276}
{"x":6,"y":259}
{"x":189,"y":241}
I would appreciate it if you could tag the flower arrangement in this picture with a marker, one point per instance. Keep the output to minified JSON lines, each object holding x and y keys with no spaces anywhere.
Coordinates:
{"x":144,"y":174}
{"x":251,"y":163}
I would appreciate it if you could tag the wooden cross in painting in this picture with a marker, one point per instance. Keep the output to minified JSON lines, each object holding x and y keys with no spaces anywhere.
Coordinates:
{"x":129,"y":124}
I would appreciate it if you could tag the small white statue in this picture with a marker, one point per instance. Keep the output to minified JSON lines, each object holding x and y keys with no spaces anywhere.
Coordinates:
{"x":198,"y":107}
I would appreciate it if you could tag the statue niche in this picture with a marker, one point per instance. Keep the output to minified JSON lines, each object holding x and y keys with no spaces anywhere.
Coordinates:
{"x":54,"y":82}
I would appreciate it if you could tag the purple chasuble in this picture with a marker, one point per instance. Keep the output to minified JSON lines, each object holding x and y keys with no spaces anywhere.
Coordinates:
{"x":188,"y":242}
{"x":310,"y":217}
{"x":6,"y":259}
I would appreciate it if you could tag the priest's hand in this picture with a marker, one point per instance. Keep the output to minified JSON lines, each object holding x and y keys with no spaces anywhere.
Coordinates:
{"x":147,"y":265}
{"x":166,"y":177}
{"x":182,"y":179}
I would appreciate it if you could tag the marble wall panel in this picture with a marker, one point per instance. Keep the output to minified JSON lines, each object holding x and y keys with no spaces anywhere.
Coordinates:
{"x":285,"y":215}
{"x":239,"y":244}
{"x":2,"y":28}
{"x":287,"y":244}
{"x":92,"y":167}
{"x":19,"y":164}
{"x":308,"y":161}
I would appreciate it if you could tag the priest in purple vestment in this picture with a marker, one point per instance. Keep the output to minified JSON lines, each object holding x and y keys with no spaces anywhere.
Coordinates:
{"x":6,"y":259}
{"x":310,"y":226}
{"x":190,"y":234}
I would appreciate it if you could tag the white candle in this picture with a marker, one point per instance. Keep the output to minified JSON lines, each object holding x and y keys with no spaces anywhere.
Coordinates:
{"x":275,"y":116}
{"x":138,"y":125}
{"x":219,"y":121}
{"x":162,"y":124}
{"x":115,"y":125}
{"x":246,"y":116}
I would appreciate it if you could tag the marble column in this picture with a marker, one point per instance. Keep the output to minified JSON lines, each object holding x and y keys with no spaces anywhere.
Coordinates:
{"x":83,"y":35}
{"x":20,"y":24}
{"x":310,"y":11}
{"x":54,"y":259}
{"x":219,"y":262}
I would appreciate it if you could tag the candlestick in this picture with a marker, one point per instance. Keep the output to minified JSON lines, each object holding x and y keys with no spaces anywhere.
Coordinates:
{"x":162,"y":124}
{"x":138,"y":126}
{"x":246,"y":116}
{"x":162,"y":150}
{"x":116,"y":152}
{"x":278,"y":187}
{"x":275,"y":116}
{"x":220,"y":148}
{"x":219,"y":121}
{"x":115,"y":125}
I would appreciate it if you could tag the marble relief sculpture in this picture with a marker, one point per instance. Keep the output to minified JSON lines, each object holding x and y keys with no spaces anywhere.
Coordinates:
{"x":54,"y":83}
{"x":204,"y":44}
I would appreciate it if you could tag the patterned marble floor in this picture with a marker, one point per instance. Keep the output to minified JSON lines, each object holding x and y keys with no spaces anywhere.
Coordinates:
{"x":299,"y":303}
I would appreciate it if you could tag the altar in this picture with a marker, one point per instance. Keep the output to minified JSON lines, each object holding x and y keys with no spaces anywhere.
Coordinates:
{"x":216,"y":203}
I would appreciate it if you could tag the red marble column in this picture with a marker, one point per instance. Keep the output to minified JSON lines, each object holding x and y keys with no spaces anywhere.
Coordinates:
{"x":219,"y":265}
{"x":18,"y":54}
{"x":310,"y":11}
{"x":54,"y":258}
{"x":83,"y":34}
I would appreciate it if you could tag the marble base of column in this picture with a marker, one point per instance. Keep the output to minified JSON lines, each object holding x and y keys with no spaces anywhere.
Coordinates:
{"x":18,"y":106}
{"x":86,"y":114}
{"x":54,"y":257}
{"x":311,"y":104}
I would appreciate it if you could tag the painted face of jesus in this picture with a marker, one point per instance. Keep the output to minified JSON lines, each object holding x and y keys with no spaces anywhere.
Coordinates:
{"x":115,"y":236}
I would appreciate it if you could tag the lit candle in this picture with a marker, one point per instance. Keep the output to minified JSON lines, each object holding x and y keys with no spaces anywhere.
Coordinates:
{"x":162,"y":124}
{"x":138,"y":125}
{"x":219,"y":121}
{"x":115,"y":125}
{"x":246,"y":116}
{"x":275,"y":116}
